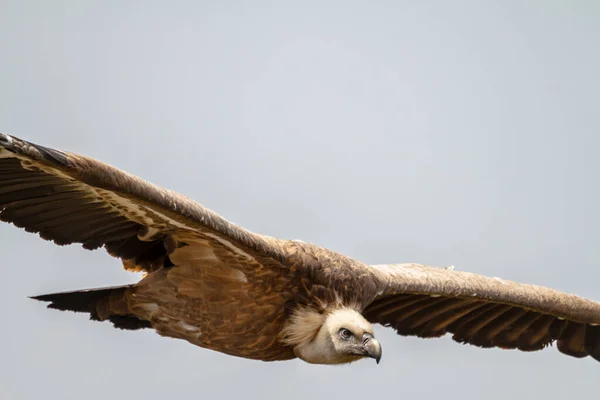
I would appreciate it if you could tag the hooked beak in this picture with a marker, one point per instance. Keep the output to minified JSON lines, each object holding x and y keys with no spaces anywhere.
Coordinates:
{"x":372,"y":347}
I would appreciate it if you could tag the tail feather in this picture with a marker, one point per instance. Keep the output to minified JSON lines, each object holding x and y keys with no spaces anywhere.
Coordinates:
{"x":101,"y":304}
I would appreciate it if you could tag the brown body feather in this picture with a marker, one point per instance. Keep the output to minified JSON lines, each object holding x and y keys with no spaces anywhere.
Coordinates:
{"x":221,"y":287}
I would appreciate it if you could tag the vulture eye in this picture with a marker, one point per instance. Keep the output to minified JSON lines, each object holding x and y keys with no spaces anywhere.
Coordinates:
{"x":345,"y":334}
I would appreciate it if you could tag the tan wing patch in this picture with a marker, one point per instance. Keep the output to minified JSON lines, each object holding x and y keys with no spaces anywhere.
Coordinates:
{"x":200,"y":272}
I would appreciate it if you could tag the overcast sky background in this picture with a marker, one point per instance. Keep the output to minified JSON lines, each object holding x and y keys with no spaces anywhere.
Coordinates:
{"x":439,"y":132}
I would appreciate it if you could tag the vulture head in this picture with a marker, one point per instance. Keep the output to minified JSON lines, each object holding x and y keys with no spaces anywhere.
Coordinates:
{"x":342,"y":336}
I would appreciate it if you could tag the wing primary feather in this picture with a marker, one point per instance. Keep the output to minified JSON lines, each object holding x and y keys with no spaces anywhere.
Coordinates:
{"x":536,"y":337}
{"x":426,"y":315}
{"x":592,"y":341}
{"x":466,"y":333}
{"x":572,"y":340}
{"x":438,"y":326}
{"x":395,"y":307}
{"x":518,"y":328}
{"x":500,"y":325}
{"x":557,"y":328}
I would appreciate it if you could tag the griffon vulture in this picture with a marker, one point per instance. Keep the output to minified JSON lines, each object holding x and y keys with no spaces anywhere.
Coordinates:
{"x":224,"y":288}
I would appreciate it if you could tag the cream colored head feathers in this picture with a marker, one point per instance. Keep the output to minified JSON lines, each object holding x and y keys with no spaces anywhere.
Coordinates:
{"x":338,"y":337}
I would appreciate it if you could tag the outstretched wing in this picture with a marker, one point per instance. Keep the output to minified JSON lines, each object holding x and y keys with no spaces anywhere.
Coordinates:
{"x":69,"y":198}
{"x":419,"y":300}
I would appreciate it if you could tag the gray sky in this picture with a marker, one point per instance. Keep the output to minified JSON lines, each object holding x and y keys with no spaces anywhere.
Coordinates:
{"x":459,"y":132}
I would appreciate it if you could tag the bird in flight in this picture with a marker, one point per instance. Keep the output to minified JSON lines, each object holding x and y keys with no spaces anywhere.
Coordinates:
{"x":224,"y":288}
